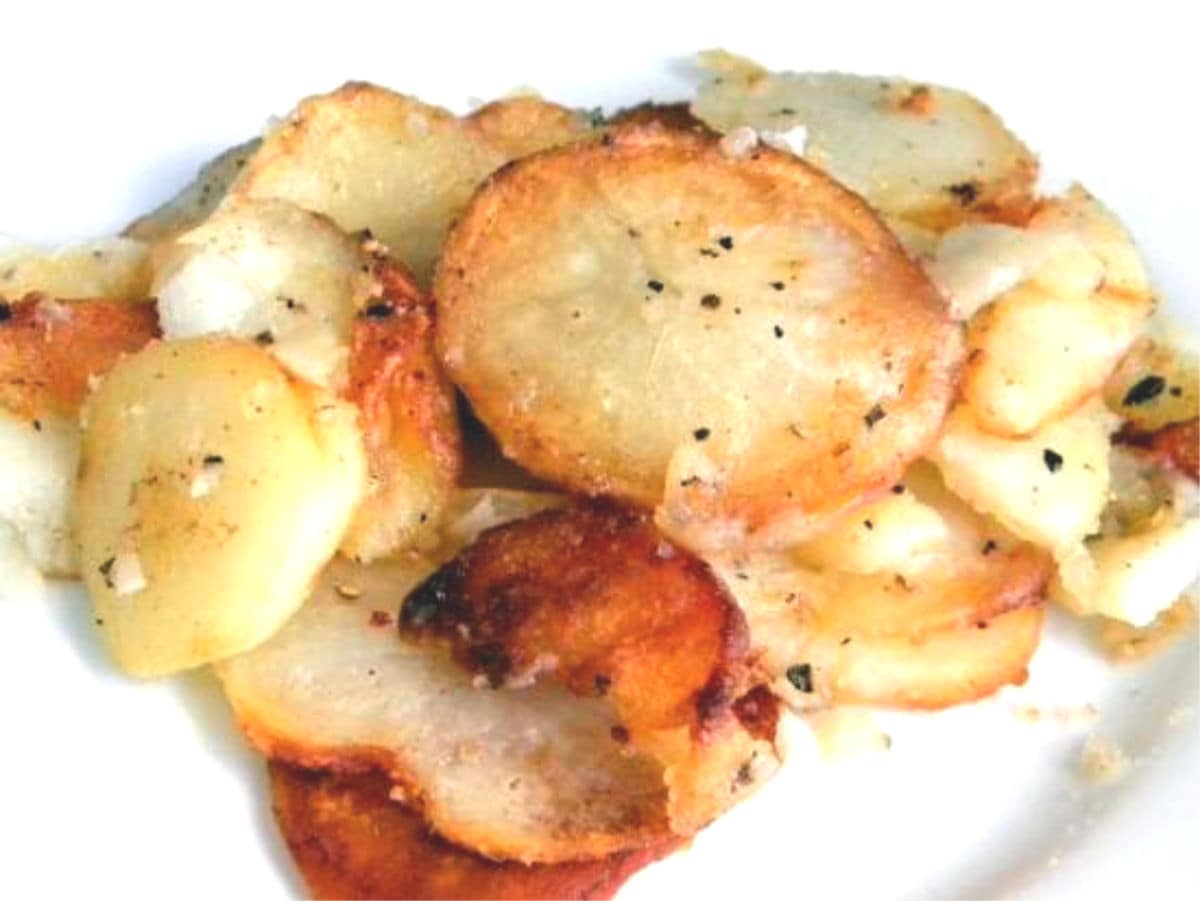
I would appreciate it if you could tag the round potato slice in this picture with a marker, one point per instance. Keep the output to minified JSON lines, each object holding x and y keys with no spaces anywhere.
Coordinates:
{"x":556,"y":766}
{"x":350,"y":838}
{"x":212,"y":489}
{"x":736,"y":338}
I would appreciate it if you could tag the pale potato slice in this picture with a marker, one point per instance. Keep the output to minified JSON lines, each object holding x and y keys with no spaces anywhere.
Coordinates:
{"x":1157,"y":384}
{"x":212,"y":489}
{"x":544,"y":771}
{"x":271,"y":272}
{"x":1040,"y":348}
{"x":519,"y":126}
{"x":736,"y":339}
{"x":1132,"y":577}
{"x":107,"y":268}
{"x":370,"y":158}
{"x":40,"y":457}
{"x":1049,"y":488}
{"x":931,"y":155}
{"x":195,"y":200}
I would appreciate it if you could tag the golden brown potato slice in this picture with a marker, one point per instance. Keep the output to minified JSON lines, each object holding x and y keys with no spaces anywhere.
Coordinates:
{"x":107,"y":268}
{"x":196,"y":200}
{"x":537,"y":773}
{"x":735,"y":338}
{"x":519,"y":126}
{"x":351,"y":839}
{"x":212,"y":489}
{"x":50,"y":352}
{"x":1041,"y":348}
{"x":1156,"y":385}
{"x":931,"y":155}
{"x":409,"y":418}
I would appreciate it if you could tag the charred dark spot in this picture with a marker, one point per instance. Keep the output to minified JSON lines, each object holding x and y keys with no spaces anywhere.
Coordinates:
{"x":965,"y":192}
{"x":5,"y":311}
{"x":778,"y":331}
{"x":712,"y":700}
{"x":434,"y":601}
{"x":619,"y":734}
{"x":800,"y":675}
{"x":989,"y":546}
{"x":1053,"y":459}
{"x":492,"y":660}
{"x":1145,"y":391}
{"x":758,"y":712}
{"x":897,"y":489}
{"x":655,"y":285}
{"x":726,"y":241}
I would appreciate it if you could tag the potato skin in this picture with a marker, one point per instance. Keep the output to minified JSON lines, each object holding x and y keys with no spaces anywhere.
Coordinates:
{"x":212,"y":488}
{"x":683,"y":339}
{"x":50,"y":350}
{"x":350,"y":839}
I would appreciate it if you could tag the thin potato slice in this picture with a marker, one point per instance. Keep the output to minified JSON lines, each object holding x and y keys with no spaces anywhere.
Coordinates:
{"x":350,"y":838}
{"x":370,"y":158}
{"x":107,"y":268}
{"x":196,"y":200}
{"x":928,"y":154}
{"x":212,"y":489}
{"x":519,"y":126}
{"x":559,"y":776}
{"x":1049,"y":488}
{"x":735,"y":338}
{"x":1064,"y":300}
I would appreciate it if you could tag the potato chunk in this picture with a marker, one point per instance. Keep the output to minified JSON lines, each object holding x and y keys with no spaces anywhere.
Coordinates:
{"x":40,"y":457}
{"x":107,"y":268}
{"x":519,"y":126}
{"x":736,"y":339}
{"x":1156,"y":385}
{"x":1049,"y":488}
{"x":212,"y":489}
{"x":928,"y":154}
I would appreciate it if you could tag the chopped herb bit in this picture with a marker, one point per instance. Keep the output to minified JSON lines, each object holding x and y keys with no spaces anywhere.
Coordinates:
{"x":37,"y":425}
{"x":778,"y":331}
{"x":778,"y":286}
{"x":379,"y":311}
{"x":874,"y":415}
{"x":213,"y":460}
{"x":689,"y":482}
{"x":967,"y":192}
{"x":725,"y":241}
{"x":845,"y":641}
{"x":870,"y":526}
{"x":1145,"y":391}
{"x":707,"y":252}
{"x":105,"y":569}
{"x":989,"y":546}
{"x":655,"y":285}
{"x":1053,"y":459}
{"x":710,"y":301}
{"x":701,"y":434}
{"x":800,"y":675}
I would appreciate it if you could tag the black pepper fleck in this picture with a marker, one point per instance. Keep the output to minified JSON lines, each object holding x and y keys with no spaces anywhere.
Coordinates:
{"x":897,"y":489}
{"x":603,"y":683}
{"x":800,"y":675}
{"x":701,"y":434}
{"x":966,"y":192}
{"x":868,"y":525}
{"x":725,"y":241}
{"x":1053,"y":459}
{"x":655,"y":285}
{"x":213,"y":460}
{"x":264,"y":338}
{"x":707,"y":252}
{"x":710,"y":301}
{"x":619,"y":734}
{"x":874,"y":415}
{"x":778,"y":286}
{"x":1144,"y":391}
{"x":989,"y":546}
{"x":1176,"y":391}
{"x":778,"y":332}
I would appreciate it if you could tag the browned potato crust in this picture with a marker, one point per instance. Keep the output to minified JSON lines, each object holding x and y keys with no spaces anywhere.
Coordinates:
{"x":351,"y":839}
{"x":668,"y":115}
{"x":408,"y":416}
{"x":50,"y":349}
{"x":645,"y":316}
{"x":519,"y":126}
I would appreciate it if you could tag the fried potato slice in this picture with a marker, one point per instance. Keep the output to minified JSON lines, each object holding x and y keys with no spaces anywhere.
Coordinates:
{"x":1061,"y":301}
{"x":909,"y":578}
{"x":350,"y":839}
{"x":932,"y":155}
{"x":212,"y":489}
{"x":1049,"y":488}
{"x":1157,"y":384}
{"x":537,"y":774}
{"x":644,"y":310}
{"x":409,"y":417}
{"x":52,"y":350}
{"x":519,"y":126}
{"x":370,"y":158}
{"x":107,"y":268}
{"x":196,"y":200}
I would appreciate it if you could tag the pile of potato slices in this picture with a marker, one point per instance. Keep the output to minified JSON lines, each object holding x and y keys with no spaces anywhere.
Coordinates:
{"x":519,"y":472}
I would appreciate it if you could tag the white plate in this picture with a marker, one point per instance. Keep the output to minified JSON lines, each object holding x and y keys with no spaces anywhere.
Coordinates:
{"x":145,"y":790}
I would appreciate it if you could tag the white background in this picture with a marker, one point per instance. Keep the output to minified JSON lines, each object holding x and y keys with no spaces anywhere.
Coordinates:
{"x":143,"y":791}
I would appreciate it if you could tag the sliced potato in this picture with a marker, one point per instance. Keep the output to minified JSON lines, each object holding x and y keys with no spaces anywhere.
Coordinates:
{"x":559,"y":776}
{"x":269,"y":271}
{"x":1049,"y":488}
{"x":212,"y":489}
{"x":107,"y":268}
{"x":1040,"y":348}
{"x":370,"y":158}
{"x":40,"y":457}
{"x":928,"y":154}
{"x":409,"y":417}
{"x":735,"y":338}
{"x":351,"y":838}
{"x":1157,"y":384}
{"x":196,"y":200}
{"x":519,"y":126}
{"x":52,"y":350}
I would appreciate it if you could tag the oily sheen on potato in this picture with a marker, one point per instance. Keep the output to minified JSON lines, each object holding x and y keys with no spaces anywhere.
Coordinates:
{"x":212,"y":489}
{"x":731,"y":337}
{"x":541,"y":761}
